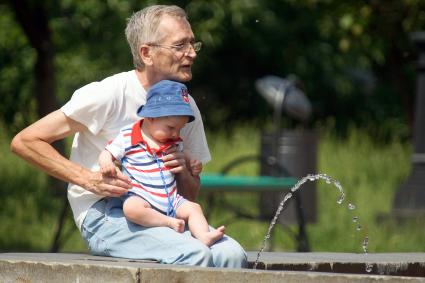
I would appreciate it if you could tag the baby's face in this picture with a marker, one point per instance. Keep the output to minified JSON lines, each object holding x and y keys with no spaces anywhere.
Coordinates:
{"x":165,"y":129}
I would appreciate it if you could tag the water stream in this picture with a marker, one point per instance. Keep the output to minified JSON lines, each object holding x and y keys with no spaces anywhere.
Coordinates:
{"x":340,"y":200}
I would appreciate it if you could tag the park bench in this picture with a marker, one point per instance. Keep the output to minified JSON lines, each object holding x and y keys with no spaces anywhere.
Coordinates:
{"x":214,"y":185}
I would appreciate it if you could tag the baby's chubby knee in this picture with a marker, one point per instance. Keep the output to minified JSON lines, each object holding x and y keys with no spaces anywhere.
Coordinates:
{"x":193,"y":206}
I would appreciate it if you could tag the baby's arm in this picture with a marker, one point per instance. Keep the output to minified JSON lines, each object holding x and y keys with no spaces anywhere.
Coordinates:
{"x":106,"y":163}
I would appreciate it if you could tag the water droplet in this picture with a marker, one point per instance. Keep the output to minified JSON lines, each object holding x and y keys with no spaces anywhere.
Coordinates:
{"x":340,"y":199}
{"x":287,"y":196}
{"x":257,"y":21}
{"x":359,"y":227}
{"x":351,"y":206}
{"x":369,"y":267}
{"x":355,"y":219}
{"x":365,"y":244}
{"x":311,"y":178}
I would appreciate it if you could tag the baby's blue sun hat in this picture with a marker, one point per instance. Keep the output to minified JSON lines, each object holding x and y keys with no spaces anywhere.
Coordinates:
{"x":167,"y":98}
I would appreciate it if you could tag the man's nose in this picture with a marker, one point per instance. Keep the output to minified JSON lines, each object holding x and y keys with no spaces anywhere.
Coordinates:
{"x":191,"y":52}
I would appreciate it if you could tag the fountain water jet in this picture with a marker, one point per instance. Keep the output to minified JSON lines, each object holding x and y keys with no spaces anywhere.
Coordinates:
{"x":328,"y":180}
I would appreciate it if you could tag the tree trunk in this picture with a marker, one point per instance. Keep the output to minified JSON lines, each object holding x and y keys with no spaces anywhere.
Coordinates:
{"x":34,"y":20}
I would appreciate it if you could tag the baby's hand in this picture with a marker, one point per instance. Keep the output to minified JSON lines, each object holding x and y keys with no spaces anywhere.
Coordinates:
{"x":195,"y":167}
{"x":106,"y":164}
{"x":108,"y":169}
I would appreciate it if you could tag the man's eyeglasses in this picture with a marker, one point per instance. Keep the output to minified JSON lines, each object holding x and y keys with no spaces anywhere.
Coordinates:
{"x":183,"y":47}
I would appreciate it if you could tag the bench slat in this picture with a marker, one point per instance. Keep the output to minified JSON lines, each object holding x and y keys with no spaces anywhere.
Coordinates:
{"x":219,"y":182}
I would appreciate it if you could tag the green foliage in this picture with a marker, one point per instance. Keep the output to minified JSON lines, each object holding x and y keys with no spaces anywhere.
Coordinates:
{"x":340,"y":51}
{"x":29,"y":210}
{"x":354,"y":58}
{"x":226,"y":147}
{"x":16,"y":61}
{"x":90,"y":42}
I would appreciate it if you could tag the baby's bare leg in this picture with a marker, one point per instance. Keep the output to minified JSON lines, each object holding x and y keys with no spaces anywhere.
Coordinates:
{"x":139,"y":211}
{"x":198,"y":225}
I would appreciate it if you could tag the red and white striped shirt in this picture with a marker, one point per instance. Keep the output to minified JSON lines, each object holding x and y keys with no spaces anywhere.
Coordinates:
{"x":150,"y":178}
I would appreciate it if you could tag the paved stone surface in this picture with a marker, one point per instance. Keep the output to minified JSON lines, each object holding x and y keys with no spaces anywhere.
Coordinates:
{"x":46,"y":267}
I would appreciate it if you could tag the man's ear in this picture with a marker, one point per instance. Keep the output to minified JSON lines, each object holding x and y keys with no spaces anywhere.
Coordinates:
{"x":145,"y":53}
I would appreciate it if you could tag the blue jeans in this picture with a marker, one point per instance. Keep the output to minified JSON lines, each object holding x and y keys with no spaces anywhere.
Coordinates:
{"x":108,"y":233}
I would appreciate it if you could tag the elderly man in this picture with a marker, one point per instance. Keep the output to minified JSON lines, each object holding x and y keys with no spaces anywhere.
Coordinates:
{"x":163,"y":47}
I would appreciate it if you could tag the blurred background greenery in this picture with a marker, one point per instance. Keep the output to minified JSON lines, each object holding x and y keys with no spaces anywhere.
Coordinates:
{"x":355,"y":61}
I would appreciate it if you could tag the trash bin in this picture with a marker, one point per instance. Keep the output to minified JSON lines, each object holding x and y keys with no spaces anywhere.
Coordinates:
{"x":296,"y":157}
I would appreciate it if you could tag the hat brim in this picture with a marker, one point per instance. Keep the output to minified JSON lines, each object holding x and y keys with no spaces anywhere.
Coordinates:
{"x":158,"y":113}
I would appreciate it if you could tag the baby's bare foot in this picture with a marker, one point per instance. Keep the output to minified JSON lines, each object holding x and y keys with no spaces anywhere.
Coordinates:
{"x":176,"y":224}
{"x":209,"y":238}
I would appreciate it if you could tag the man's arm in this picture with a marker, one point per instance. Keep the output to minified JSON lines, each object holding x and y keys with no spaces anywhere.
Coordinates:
{"x":188,"y":185}
{"x":34,"y":145}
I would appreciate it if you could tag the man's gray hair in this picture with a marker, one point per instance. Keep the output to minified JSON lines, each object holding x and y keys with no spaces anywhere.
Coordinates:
{"x":142,"y":27}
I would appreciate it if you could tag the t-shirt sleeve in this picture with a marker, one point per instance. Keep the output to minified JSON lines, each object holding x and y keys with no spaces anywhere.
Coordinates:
{"x":90,"y":106}
{"x":194,"y":138}
{"x":117,"y":147}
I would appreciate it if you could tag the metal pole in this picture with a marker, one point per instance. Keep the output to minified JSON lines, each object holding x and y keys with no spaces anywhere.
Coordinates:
{"x":410,"y":198}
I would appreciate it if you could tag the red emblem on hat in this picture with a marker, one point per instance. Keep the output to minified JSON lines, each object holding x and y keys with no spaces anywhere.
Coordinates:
{"x":185,"y":95}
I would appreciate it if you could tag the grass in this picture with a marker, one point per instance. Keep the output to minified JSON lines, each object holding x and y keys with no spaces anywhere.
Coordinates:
{"x":370,"y":174}
{"x":29,"y":208}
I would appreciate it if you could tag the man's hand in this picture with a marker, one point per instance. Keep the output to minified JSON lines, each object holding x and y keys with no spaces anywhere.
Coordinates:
{"x":187,"y":183}
{"x":195,"y":167}
{"x":108,"y":185}
{"x":175,"y":160}
{"x":34,"y":145}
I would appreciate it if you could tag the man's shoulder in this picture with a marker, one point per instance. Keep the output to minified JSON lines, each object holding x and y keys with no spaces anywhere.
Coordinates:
{"x":122,"y":76}
{"x":109,"y":86}
{"x":119,"y":79}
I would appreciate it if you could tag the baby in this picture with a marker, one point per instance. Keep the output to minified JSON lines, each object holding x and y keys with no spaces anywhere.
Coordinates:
{"x":153,"y":199}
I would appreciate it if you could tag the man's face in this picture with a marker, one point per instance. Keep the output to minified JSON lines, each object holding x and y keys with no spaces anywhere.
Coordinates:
{"x":168,"y":62}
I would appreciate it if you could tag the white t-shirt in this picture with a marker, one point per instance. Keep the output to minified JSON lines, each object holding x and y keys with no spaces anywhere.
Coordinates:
{"x":104,"y":108}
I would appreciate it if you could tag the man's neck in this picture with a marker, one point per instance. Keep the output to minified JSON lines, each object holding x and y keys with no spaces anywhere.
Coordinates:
{"x":145,"y":79}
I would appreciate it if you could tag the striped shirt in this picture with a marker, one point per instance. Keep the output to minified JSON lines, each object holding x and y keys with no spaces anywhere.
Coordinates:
{"x":150,"y":179}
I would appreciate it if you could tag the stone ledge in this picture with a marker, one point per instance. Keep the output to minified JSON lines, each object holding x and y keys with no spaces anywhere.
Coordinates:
{"x":400,"y":264}
{"x":45,"y":267}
